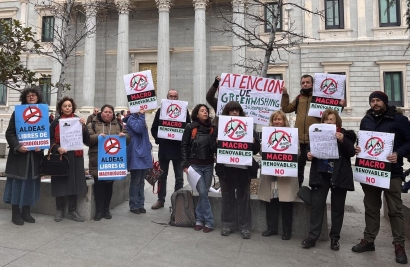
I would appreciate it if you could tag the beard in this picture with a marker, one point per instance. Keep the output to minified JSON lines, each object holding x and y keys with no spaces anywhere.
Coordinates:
{"x":379,"y":111}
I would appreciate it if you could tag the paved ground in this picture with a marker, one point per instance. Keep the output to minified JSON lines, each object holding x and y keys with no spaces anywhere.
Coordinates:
{"x":146,"y":240}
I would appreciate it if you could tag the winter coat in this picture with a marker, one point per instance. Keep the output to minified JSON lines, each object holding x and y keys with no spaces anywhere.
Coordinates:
{"x":18,"y":163}
{"x":303,"y":121}
{"x":74,"y":183}
{"x":342,"y":175}
{"x":139,"y":155}
{"x":288,"y":188}
{"x":167,"y":147}
{"x":201,"y":148}
{"x":391,"y":122}
{"x":101,"y":127}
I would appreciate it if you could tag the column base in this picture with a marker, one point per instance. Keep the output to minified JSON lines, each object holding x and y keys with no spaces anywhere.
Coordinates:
{"x":87,"y":109}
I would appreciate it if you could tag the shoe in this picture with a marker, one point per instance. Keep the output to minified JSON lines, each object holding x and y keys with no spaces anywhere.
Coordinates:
{"x":142,"y":210}
{"x":98,"y":216}
{"x":16,"y":215}
{"x":269,"y":233}
{"x":226,"y":231}
{"x":136,"y":211}
{"x":59,"y":216}
{"x":401,"y":256}
{"x":107,"y":214}
{"x":73,"y":215}
{"x":286,"y":236}
{"x":246,"y":234}
{"x":207,"y":229}
{"x":157,"y":205}
{"x":364,"y":246}
{"x":334,"y":244}
{"x":198,"y":227}
{"x":308,"y":243}
{"x":26,"y":216}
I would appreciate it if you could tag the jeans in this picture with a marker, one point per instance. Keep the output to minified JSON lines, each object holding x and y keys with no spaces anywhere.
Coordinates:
{"x":203,"y":209}
{"x":137,"y":189}
{"x":179,"y":178}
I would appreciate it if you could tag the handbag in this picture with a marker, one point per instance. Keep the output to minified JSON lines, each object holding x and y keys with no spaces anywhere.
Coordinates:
{"x":305,"y":194}
{"x":54,"y":164}
{"x":153,"y":176}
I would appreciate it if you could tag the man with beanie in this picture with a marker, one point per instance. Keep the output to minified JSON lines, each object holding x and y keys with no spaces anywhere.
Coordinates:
{"x":384,"y":118}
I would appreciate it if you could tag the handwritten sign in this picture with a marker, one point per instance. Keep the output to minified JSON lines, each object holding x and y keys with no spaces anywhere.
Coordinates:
{"x":172,"y":120}
{"x":140,"y":91}
{"x":71,"y":134}
{"x":112,"y":157}
{"x":323,"y":142}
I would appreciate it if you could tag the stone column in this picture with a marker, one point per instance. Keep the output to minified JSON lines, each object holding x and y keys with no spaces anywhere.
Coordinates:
{"x":199,"y":82}
{"x":122,"y":53}
{"x":90,"y":51}
{"x":238,"y":45}
{"x":163,"y":57}
{"x":56,"y":66}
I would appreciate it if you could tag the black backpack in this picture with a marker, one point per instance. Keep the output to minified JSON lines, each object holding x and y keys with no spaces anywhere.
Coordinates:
{"x":182,"y":209}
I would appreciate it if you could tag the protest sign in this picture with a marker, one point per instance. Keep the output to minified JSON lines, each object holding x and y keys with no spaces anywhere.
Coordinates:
{"x":323,"y":142}
{"x":235,"y":139}
{"x":172,"y":120}
{"x":258,"y":96}
{"x":328,"y":90}
{"x":140,"y":91}
{"x":32,"y":126}
{"x":112,"y":157}
{"x":71,"y":134}
{"x":280,"y":146}
{"x":372,"y":166}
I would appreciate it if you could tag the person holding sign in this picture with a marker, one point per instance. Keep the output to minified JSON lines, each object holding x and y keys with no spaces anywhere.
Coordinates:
{"x":333,"y":174}
{"x":103,"y":124}
{"x":384,"y":118}
{"x":22,"y":188}
{"x":286,"y":187}
{"x":74,"y":184}
{"x":236,"y":207}
{"x":197,"y":145}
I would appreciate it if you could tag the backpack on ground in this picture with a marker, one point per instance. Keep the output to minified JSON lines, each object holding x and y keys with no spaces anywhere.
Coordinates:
{"x":183,"y":209}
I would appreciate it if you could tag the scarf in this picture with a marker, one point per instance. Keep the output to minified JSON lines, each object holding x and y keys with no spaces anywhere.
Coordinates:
{"x":77,"y":153}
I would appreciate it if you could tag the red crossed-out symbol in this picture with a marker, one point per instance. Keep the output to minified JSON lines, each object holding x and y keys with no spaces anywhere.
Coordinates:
{"x":112,"y":146}
{"x":329,"y":86}
{"x":174,"y":111}
{"x":279,"y":140}
{"x":374,"y":146}
{"x":32,"y":115}
{"x":235,"y":129}
{"x":138,"y":82}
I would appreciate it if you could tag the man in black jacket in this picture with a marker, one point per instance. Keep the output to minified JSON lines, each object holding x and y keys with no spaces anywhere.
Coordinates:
{"x":169,"y":150}
{"x":384,"y":118}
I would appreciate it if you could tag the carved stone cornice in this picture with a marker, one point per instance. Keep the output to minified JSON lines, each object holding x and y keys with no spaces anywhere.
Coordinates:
{"x":200,"y":4}
{"x":163,"y":5}
{"x":123,"y":6}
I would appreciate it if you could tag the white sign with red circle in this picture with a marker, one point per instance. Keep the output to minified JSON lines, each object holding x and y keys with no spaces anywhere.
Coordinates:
{"x":375,"y":145}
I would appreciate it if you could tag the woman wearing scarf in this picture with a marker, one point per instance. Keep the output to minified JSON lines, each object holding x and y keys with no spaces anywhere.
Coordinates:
{"x":74,"y":184}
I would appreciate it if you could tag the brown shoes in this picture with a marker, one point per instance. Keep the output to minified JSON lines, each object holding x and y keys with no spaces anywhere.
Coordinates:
{"x":157,"y":205}
{"x":198,"y":227}
{"x":207,"y":229}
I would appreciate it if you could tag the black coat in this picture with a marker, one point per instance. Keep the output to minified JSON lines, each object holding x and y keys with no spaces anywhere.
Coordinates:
{"x":391,"y":122}
{"x":167,"y":148}
{"x":342,"y":175}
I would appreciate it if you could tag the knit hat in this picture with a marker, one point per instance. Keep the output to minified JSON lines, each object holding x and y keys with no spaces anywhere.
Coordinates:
{"x":380,"y":95}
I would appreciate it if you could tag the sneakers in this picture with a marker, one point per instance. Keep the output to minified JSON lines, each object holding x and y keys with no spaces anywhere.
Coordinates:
{"x":246,"y":234}
{"x":401,"y":256}
{"x":157,"y":205}
{"x":73,"y":215}
{"x":269,"y":233}
{"x":364,"y":246}
{"x":226,"y":231}
{"x":308,"y":243}
{"x":334,"y":244}
{"x":59,"y":216}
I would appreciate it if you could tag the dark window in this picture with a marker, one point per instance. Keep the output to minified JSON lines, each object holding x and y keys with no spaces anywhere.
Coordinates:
{"x":269,"y":17}
{"x":47,"y":30}
{"x":389,"y":12}
{"x":276,"y":76}
{"x":334,"y":14}
{"x":3,"y":22}
{"x":393,"y":87}
{"x":341,"y":73}
{"x":45,"y":84}
{"x":3,"y":94}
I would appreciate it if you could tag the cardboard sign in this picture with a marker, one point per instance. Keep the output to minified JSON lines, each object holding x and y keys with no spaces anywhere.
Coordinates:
{"x":323,"y":141}
{"x":71,"y":134}
{"x":112,"y":157}
{"x":258,"y":96}
{"x":328,"y":90}
{"x":235,"y":140}
{"x":172,"y":120}
{"x":140,"y":91}
{"x":372,"y":166}
{"x":32,"y":126}
{"x":280,"y":146}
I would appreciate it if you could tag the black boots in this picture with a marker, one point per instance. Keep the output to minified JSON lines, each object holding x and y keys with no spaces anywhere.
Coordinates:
{"x":26,"y":216}
{"x":16,"y":215}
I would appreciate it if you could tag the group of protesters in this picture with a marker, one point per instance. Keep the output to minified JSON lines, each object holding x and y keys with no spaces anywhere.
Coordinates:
{"x":198,"y":149}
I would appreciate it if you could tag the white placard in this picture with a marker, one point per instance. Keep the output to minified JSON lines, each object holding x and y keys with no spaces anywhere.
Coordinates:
{"x":323,"y":142}
{"x":172,"y":119}
{"x":193,"y":178}
{"x":71,"y":134}
{"x":140,"y":91}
